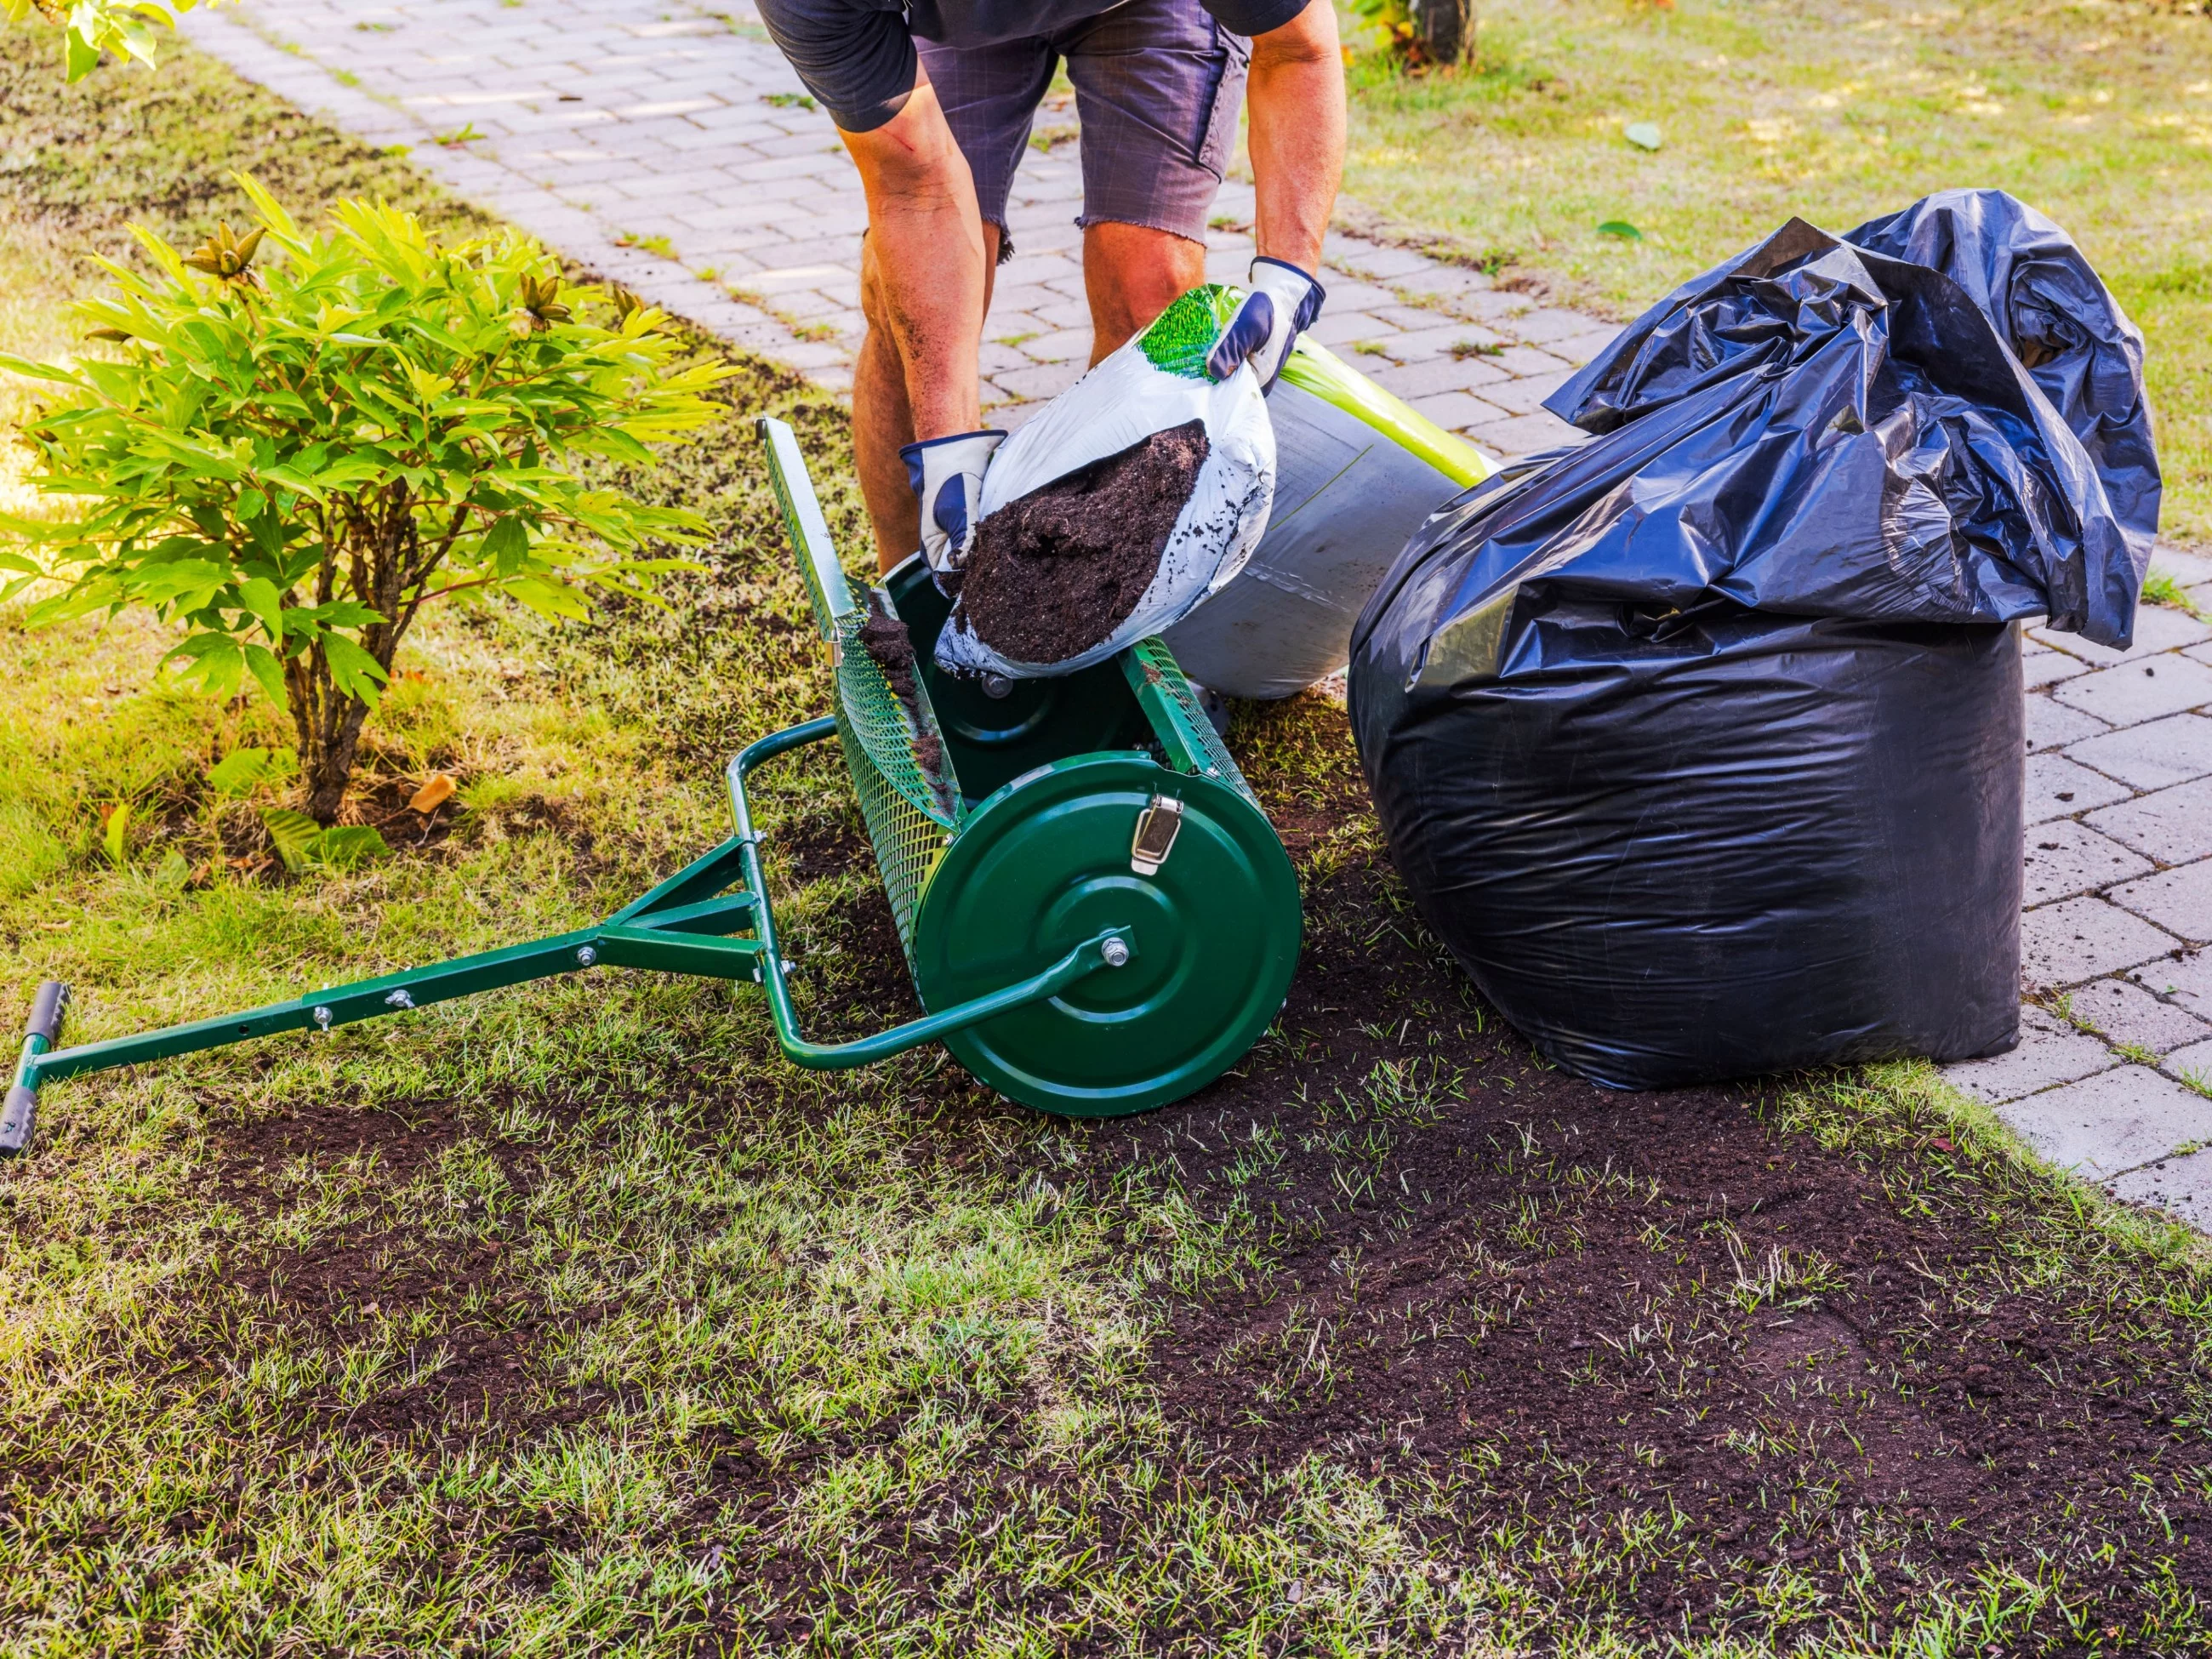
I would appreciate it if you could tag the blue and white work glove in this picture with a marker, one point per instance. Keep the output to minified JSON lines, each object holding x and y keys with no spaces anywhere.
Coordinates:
{"x":1281,"y":305}
{"x":947,"y":474}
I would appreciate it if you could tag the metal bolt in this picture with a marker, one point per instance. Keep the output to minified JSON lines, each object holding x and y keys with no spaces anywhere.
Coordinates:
{"x":997,"y":685}
{"x":586,"y":956}
{"x":1115,"y":952}
{"x":323,"y":1017}
{"x":399,"y":999}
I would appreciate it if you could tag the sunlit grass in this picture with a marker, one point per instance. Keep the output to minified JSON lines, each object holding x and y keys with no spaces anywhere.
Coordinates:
{"x":2098,"y":112}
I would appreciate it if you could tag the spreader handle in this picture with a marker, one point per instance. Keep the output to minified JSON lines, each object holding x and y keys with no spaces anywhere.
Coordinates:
{"x":41,"y":1032}
{"x":1111,"y":949}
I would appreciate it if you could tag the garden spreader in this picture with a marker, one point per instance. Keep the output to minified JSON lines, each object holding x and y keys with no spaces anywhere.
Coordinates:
{"x":1098,"y":917}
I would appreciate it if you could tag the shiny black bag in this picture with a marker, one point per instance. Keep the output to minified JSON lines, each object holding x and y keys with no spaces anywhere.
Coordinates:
{"x":1700,"y":745}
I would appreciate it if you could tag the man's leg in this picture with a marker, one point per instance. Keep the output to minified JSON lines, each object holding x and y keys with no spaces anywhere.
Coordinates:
{"x":1157,"y":87}
{"x":883,"y":418}
{"x":1132,"y":273}
{"x":924,"y":283}
{"x":986,"y":95}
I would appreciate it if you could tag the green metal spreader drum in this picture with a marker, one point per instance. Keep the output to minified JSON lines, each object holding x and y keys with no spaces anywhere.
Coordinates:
{"x":1098,"y":917}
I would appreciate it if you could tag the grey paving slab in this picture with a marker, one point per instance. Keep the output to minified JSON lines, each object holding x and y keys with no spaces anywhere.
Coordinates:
{"x":2157,"y":753}
{"x":2085,"y":939}
{"x":2178,"y":900}
{"x":2065,"y":859}
{"x":2173,"y":826}
{"x":2060,"y":788}
{"x":2049,"y":1053}
{"x":2185,"y":566}
{"x":2116,"y":1120}
{"x":2139,"y":691}
{"x":2040,"y":666}
{"x":2192,"y":1066}
{"x":2182,"y":1186}
{"x":2128,"y":1017}
{"x":2053,"y":725}
{"x":2182,"y":977}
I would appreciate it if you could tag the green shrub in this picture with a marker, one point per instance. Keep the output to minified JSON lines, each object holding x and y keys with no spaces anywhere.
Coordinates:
{"x":313,"y":436}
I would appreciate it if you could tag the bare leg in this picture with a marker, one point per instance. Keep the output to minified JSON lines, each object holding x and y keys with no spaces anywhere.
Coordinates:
{"x":883,"y":419}
{"x":1131,"y":274}
{"x":926,"y":280}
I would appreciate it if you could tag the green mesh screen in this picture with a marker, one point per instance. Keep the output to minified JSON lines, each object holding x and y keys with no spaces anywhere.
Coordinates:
{"x":912,"y":810}
{"x":1181,"y":338}
{"x":1153,"y":666}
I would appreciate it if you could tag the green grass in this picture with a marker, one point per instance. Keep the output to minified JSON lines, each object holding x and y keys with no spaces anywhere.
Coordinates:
{"x":2098,"y":112}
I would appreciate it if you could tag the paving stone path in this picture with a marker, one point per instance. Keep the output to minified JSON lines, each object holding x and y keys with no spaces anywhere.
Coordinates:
{"x":673,"y":149}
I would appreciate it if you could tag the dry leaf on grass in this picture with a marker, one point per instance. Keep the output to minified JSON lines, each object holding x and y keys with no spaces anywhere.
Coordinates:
{"x":437,"y":789}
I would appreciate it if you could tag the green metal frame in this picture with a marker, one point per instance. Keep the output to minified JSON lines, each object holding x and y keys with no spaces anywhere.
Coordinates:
{"x":683,"y":926}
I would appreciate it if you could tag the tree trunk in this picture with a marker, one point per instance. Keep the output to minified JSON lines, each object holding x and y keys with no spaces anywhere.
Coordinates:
{"x":383,"y":559}
{"x":1445,"y":27}
{"x":328,"y":740}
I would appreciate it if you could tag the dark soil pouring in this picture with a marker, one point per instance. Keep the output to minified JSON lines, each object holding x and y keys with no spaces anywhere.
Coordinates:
{"x":1058,"y":570}
{"x":886,"y":641}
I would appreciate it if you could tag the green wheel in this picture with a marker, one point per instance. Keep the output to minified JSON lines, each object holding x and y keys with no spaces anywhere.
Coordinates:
{"x":1044,"y":865}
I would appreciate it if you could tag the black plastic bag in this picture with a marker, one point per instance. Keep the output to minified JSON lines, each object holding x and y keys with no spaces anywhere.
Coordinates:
{"x":1700,"y":745}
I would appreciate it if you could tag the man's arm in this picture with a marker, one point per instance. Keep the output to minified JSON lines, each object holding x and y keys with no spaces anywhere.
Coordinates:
{"x":926,"y":243}
{"x":1295,"y":94}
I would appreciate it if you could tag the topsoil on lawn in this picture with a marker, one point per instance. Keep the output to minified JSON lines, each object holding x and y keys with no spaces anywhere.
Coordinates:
{"x":1056,"y":571}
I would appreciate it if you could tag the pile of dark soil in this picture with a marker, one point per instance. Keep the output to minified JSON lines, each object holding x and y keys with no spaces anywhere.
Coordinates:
{"x":885,"y":640}
{"x":1056,"y":571}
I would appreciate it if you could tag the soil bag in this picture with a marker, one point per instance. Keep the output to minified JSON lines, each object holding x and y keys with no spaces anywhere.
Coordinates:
{"x":1081,"y":549}
{"x":1356,"y":470}
{"x":1700,"y":745}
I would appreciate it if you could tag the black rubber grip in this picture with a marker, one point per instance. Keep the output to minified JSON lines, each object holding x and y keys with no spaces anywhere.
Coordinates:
{"x":17,"y":1120}
{"x":47,"y":1012}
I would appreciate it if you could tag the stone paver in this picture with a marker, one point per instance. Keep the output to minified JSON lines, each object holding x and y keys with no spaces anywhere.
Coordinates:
{"x":2171,"y":825}
{"x":2128,"y":1017}
{"x":2191,"y":1065}
{"x":2138,"y":690}
{"x":2050,"y":1053}
{"x":673,"y":150}
{"x":2058,"y":788}
{"x":2119,"y":886}
{"x":2179,"y":901}
{"x":2180,"y":1186}
{"x":2117,"y":1121}
{"x":2154,"y":755}
{"x":2085,"y":939}
{"x":2182,"y":977}
{"x":2067,"y":858}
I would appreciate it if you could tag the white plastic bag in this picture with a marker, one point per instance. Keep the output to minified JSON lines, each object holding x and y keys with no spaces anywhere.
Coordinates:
{"x":1157,"y":380}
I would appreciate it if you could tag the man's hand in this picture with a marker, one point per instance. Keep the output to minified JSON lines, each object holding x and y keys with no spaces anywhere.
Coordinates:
{"x":1282,"y":305}
{"x":947,"y":474}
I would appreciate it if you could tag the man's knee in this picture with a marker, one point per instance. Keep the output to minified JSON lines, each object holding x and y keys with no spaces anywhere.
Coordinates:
{"x":1131,"y":274}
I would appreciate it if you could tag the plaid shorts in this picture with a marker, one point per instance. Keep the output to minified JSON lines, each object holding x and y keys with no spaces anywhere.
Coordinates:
{"x":1157,"y":87}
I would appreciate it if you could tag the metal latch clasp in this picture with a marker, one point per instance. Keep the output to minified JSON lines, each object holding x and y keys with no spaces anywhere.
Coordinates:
{"x":1156,"y":835}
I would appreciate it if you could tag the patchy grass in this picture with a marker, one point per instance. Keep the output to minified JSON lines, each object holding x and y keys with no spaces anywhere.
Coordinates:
{"x":567,"y":1319}
{"x":2099,"y":112}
